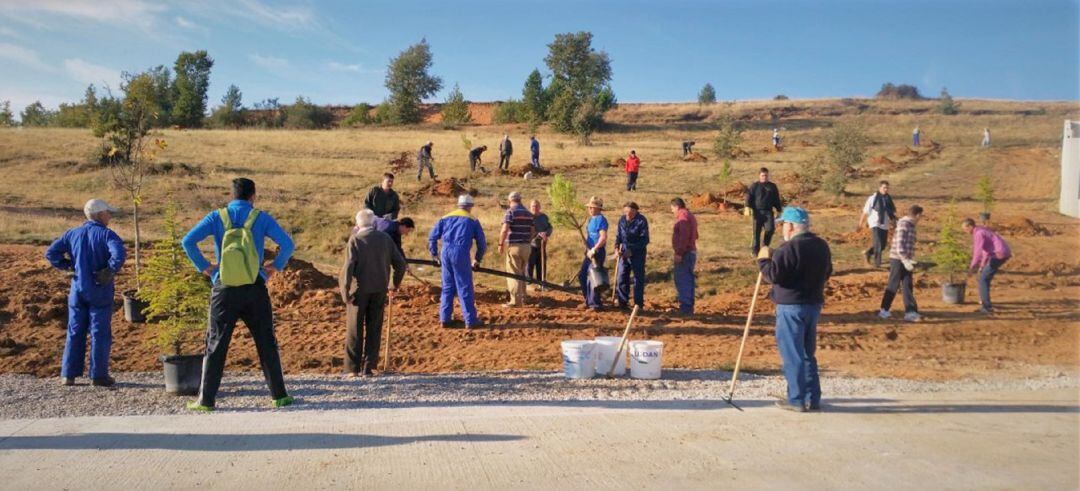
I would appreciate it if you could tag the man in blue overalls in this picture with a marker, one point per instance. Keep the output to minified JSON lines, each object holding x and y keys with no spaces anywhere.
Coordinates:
{"x":631,"y":240}
{"x":457,"y":231}
{"x":95,"y":253}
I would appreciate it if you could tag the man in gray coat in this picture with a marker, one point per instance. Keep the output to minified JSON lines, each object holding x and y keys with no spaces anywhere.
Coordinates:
{"x":364,"y":282}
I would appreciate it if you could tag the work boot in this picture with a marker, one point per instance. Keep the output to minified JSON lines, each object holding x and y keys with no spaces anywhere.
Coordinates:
{"x":787,"y":406}
{"x":368,"y":369}
{"x":103,"y":382}
{"x":67,"y":381}
{"x":282,"y":402}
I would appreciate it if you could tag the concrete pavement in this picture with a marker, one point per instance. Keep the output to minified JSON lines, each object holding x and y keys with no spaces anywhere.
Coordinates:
{"x":1026,"y":440}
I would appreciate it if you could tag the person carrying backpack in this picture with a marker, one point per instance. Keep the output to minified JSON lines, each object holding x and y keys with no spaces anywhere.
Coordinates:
{"x":239,"y":291}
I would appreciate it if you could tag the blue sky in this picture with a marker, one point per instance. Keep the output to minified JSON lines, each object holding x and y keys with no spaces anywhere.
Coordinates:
{"x":335,"y":52}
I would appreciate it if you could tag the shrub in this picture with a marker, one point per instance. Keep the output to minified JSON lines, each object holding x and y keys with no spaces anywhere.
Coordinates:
{"x":7,"y":118}
{"x":845,"y":147}
{"x":780,"y":97}
{"x":707,"y":95}
{"x":230,"y":114}
{"x":566,"y":209}
{"x":35,"y":114}
{"x":456,"y":109}
{"x":510,"y":112}
{"x":304,"y":115}
{"x":728,"y":137}
{"x":269,"y":114}
{"x":902,"y":91}
{"x":946,"y":105}
{"x":384,"y":113}
{"x":950,"y":256}
{"x":984,"y":193}
{"x":725,"y":173}
{"x":359,"y":116}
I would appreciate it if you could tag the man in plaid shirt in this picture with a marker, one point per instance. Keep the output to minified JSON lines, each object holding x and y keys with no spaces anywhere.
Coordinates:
{"x":901,"y":264}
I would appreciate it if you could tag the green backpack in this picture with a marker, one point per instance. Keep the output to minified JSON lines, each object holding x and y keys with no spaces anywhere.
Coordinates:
{"x":239,"y":257}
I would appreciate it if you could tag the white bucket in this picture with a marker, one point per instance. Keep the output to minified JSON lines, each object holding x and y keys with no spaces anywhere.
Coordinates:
{"x":605,"y":354}
{"x":579,"y":358}
{"x":645,"y":359}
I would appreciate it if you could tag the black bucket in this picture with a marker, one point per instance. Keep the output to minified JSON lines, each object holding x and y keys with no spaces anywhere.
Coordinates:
{"x":183,"y":374}
{"x":953,"y":293}
{"x":133,"y":308}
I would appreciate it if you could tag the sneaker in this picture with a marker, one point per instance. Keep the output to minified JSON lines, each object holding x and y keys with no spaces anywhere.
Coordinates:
{"x":67,"y":381}
{"x":884,"y":314}
{"x":103,"y":382}
{"x":912,"y":317}
{"x":787,"y":406}
{"x":282,"y":402}
{"x":195,"y":406}
{"x":984,"y":310}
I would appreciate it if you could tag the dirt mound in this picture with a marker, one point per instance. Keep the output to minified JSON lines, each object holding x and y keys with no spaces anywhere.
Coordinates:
{"x":299,"y":281}
{"x":403,"y":161}
{"x":526,"y":168}
{"x":906,"y":152}
{"x":736,"y":190}
{"x":730,"y":198}
{"x":619,"y":162}
{"x":882,"y":160}
{"x":1021,"y":227}
{"x":855,"y":236}
{"x":695,"y":157}
{"x":705,"y":200}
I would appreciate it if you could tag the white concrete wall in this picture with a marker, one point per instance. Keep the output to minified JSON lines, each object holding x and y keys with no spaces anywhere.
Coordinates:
{"x":1070,"y":170}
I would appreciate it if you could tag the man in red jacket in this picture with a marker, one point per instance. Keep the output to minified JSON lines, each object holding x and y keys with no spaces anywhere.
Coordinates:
{"x":684,"y":242}
{"x":633,"y":163}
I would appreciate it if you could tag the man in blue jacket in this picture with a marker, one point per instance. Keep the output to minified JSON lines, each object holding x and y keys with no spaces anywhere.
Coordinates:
{"x":798,"y":272}
{"x":95,"y":254}
{"x":457,"y":231}
{"x":534,"y":147}
{"x":631,"y":240}
{"x":250,"y":303}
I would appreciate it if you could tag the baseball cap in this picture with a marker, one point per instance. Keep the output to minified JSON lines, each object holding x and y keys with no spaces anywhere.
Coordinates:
{"x":96,"y":206}
{"x":465,"y":200}
{"x":794,"y":214}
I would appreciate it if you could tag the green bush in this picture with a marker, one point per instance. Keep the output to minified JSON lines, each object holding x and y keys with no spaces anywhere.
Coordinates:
{"x":456,"y":109}
{"x":984,"y":192}
{"x":946,"y":104}
{"x":7,"y":118}
{"x":510,"y":112}
{"x":951,"y":256}
{"x":845,"y":147}
{"x":359,"y":116}
{"x":707,"y":95}
{"x":307,"y":116}
{"x":728,"y":137}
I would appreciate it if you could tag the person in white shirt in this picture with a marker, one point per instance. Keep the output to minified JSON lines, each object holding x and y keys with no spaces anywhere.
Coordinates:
{"x":878,"y":214}
{"x":986,"y":137}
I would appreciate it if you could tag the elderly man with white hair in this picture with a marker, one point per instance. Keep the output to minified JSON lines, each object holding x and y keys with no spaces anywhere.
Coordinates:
{"x":515,"y":242}
{"x":95,"y":254}
{"x":798,"y":271}
{"x":365,"y":288}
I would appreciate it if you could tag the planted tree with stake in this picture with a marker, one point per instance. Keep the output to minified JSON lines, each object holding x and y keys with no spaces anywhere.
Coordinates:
{"x":984,"y":192}
{"x":566,"y":209}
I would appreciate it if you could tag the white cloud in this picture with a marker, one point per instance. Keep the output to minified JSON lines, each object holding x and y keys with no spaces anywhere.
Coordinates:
{"x":342,"y":67}
{"x":9,"y":32}
{"x":269,"y":62}
{"x":89,"y":73}
{"x":139,"y":13}
{"x":287,"y":17}
{"x":23,"y":56}
{"x":186,"y":24}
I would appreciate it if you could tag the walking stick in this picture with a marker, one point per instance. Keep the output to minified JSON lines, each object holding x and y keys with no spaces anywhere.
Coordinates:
{"x":543,"y":262}
{"x":622,"y":343}
{"x":746,"y":331}
{"x":389,"y":324}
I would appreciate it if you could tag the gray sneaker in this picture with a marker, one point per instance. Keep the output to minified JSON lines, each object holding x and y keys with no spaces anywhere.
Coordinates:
{"x":787,"y":406}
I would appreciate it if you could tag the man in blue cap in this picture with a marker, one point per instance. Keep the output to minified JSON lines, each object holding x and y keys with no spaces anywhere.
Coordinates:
{"x":95,"y":254}
{"x":239,"y":291}
{"x":798,"y":271}
{"x":457,"y":230}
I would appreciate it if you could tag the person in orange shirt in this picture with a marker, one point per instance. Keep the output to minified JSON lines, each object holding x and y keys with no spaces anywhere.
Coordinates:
{"x":633,"y":163}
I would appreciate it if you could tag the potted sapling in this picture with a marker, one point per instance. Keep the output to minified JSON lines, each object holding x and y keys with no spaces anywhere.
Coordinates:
{"x":176,"y":297}
{"x":951,"y":258}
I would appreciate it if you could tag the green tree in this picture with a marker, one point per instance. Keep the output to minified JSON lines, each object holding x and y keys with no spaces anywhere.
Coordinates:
{"x":728,"y":137}
{"x":409,"y":83}
{"x":456,"y":109}
{"x":163,"y":91}
{"x":579,"y":92}
{"x":845,"y":147}
{"x":950,"y":256}
{"x":566,"y":210}
{"x":230,"y":114}
{"x":707,"y":95}
{"x":984,"y":192}
{"x":35,"y":114}
{"x":534,"y":98}
{"x":360,"y":115}
{"x":946,"y":104}
{"x":192,"y":82}
{"x":725,"y":173}
{"x":7,"y":118}
{"x":304,"y":115}
{"x":175,"y":293}
{"x":509,"y":112}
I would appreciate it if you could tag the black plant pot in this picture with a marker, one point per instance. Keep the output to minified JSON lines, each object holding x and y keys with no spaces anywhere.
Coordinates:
{"x":133,"y":308}
{"x":183,"y":374}
{"x":953,"y":293}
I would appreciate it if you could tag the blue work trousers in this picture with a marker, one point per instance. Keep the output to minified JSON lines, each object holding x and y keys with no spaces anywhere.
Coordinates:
{"x":83,"y":318}
{"x":986,"y":275}
{"x":634,"y":264}
{"x":457,"y":281}
{"x":592,"y":297}
{"x":796,"y":337}
{"x":684,"y":282}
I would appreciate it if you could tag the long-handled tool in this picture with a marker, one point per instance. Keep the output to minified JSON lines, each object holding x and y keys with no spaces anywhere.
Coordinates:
{"x":417,"y":278}
{"x":622,"y":343}
{"x":746,"y":331}
{"x":389,"y":324}
{"x":502,"y":274}
{"x":615,"y":282}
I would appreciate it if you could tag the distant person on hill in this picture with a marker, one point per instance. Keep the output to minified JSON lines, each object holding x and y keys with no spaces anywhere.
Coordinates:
{"x":542,"y":231}
{"x":631,"y":250}
{"x":534,"y":147}
{"x":762,"y":197}
{"x":986,"y":137}
{"x":633,"y":165}
{"x":457,"y":231}
{"x":596,"y":237}
{"x":475,"y":159}
{"x":798,"y":271}
{"x":684,"y":236}
{"x":879,"y":213}
{"x":506,"y":149}
{"x":239,"y":292}
{"x":776,"y":138}
{"x":95,"y":254}
{"x":423,"y":160}
{"x":687,"y":147}
{"x":915,"y":133}
{"x":382,"y":200}
{"x":366,"y":288}
{"x":988,"y":253}
{"x":901,"y":266}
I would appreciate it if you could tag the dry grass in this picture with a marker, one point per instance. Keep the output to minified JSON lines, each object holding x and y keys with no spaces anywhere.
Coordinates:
{"x":313,"y":181}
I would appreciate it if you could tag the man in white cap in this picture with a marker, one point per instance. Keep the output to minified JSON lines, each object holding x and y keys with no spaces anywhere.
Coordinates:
{"x":515,"y":241}
{"x":457,"y":230}
{"x":95,"y":254}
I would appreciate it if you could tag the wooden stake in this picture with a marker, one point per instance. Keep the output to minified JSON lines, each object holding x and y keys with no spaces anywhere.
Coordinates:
{"x":746,"y":331}
{"x":622,"y":343}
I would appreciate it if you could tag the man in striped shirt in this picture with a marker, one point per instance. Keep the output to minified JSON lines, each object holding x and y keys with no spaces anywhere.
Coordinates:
{"x":515,"y":242}
{"x":901,"y":264}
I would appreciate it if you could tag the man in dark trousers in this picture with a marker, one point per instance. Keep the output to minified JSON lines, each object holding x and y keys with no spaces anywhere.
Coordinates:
{"x":423,"y":161}
{"x":798,"y":272}
{"x":94,"y":253}
{"x":633,"y":166}
{"x":988,"y":253}
{"x":631,"y":241}
{"x":687,"y":147}
{"x":364,"y":281}
{"x":762,"y":197}
{"x":879,"y":213}
{"x":382,"y":200}
{"x":684,"y":236}
{"x":475,"y":159}
{"x":506,"y":149}
{"x":901,"y":265}
{"x":542,"y":229}
{"x":231,"y":301}
{"x":534,"y":147}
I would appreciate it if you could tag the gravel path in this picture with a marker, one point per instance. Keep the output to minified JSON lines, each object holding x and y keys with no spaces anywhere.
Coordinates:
{"x":26,"y":396}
